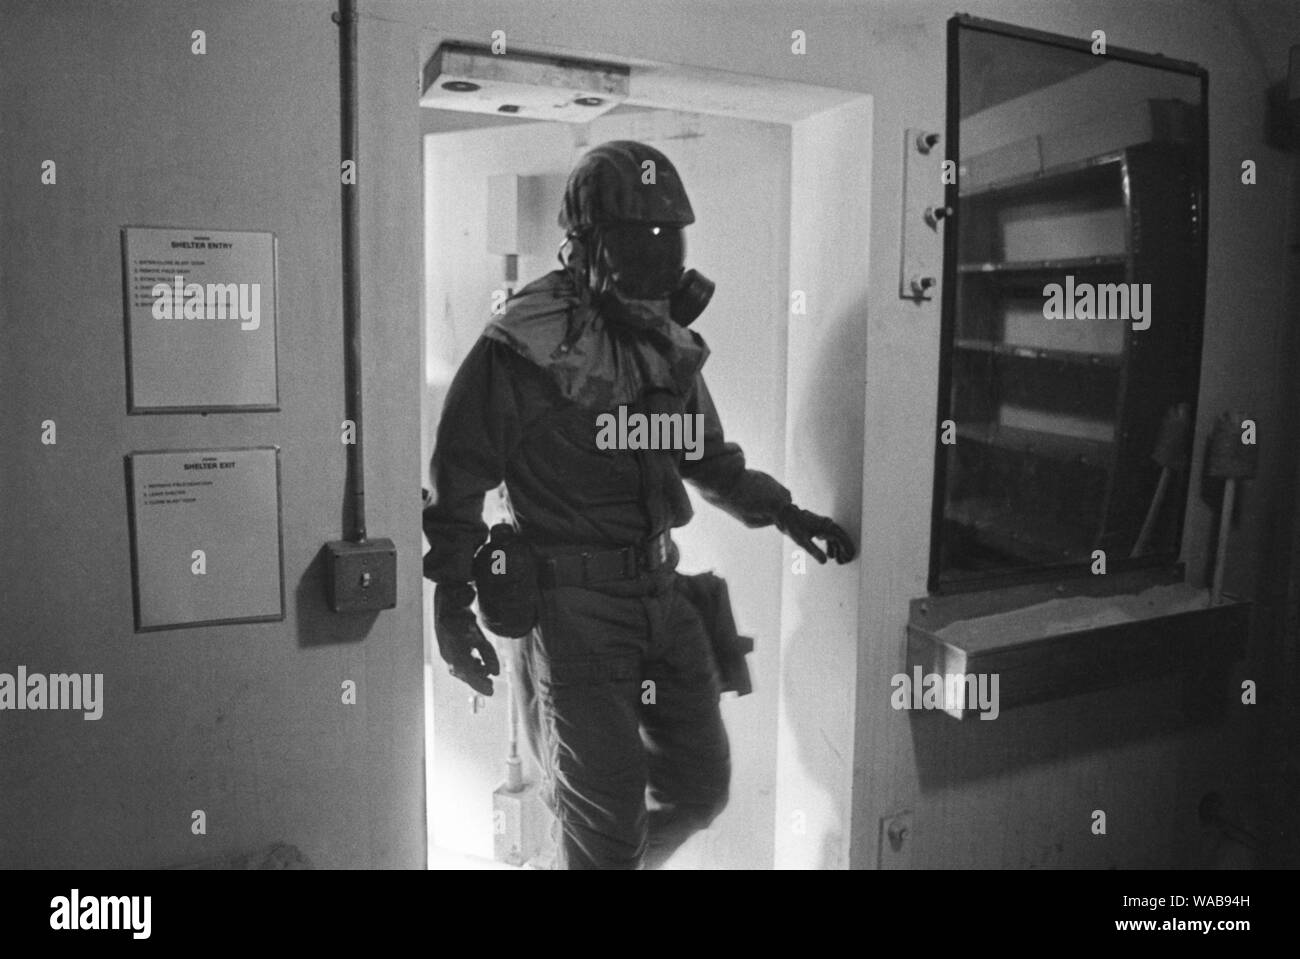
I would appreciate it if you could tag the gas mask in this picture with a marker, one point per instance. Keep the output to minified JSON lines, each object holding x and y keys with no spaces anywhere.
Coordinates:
{"x":691,"y":297}
{"x":638,"y":277}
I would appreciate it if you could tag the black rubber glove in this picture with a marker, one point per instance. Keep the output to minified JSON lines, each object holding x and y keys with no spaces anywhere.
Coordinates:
{"x":459,"y":637}
{"x":801,"y":526}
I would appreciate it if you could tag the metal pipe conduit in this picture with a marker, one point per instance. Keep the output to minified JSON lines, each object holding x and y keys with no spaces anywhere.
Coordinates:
{"x":346,"y":18}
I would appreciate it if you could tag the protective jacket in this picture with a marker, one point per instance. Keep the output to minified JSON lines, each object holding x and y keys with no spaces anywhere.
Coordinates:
{"x":524,"y":408}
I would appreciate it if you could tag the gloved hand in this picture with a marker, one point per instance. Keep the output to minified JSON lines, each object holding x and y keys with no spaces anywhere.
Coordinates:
{"x":801,"y":526}
{"x":459,"y":637}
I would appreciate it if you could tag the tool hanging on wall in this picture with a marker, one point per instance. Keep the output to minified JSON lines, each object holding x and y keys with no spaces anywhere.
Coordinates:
{"x":360,"y":574}
{"x":1171,"y":453}
{"x":1230,"y":458}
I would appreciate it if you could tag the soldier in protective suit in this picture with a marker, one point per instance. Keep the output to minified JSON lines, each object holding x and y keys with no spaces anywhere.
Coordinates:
{"x":629,"y":775}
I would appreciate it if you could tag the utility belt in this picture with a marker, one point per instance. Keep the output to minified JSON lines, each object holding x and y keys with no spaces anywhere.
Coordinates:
{"x":509,"y":574}
{"x":588,"y":567}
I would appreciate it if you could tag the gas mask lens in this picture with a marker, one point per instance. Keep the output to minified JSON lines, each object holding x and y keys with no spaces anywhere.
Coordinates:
{"x":645,"y":261}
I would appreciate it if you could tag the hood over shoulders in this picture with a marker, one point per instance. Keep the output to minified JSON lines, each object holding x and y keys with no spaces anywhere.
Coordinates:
{"x":591,"y":363}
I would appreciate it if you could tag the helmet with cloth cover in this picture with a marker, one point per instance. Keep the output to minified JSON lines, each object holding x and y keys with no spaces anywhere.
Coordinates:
{"x":623,"y":212}
{"x":612,"y":185}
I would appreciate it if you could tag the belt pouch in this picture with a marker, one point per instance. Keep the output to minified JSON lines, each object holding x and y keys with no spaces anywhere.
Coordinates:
{"x":505,"y":578}
{"x":708,"y":593}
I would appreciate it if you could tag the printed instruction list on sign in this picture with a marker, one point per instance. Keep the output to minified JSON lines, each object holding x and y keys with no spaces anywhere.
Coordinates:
{"x":182,"y":491}
{"x":206,"y":536}
{"x":201,"y":319}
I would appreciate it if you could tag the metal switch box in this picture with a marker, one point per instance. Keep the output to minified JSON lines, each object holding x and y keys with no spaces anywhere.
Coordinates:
{"x":361,"y":576}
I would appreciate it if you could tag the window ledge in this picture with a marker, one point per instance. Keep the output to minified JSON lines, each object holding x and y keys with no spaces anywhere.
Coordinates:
{"x":1048,"y":641}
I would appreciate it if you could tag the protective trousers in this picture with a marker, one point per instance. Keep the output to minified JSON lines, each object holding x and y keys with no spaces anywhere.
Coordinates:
{"x":619,"y":697}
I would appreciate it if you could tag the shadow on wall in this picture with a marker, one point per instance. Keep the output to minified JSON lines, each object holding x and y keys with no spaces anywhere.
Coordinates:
{"x":318,"y":625}
{"x":839,"y":455}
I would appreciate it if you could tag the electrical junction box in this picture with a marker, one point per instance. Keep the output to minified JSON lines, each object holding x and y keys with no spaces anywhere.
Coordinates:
{"x":520,"y":826}
{"x":361,"y":576}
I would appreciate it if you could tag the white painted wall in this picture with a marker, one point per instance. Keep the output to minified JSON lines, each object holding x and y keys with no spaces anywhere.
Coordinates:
{"x":245,"y":722}
{"x":830,"y":219}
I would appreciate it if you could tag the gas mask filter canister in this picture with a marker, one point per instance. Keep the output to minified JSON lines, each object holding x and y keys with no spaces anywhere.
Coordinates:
{"x":643,"y":280}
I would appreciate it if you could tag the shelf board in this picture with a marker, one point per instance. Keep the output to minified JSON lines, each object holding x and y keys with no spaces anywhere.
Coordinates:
{"x":1057,"y":446}
{"x":1108,"y":361}
{"x":1055,"y":177}
{"x":1108,"y":260}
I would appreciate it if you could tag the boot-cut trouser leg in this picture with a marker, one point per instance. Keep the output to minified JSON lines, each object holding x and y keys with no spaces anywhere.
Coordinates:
{"x":620,"y":700}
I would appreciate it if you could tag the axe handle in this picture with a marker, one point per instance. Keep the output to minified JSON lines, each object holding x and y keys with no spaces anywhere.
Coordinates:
{"x":1221,"y":554}
{"x":1149,"y":525}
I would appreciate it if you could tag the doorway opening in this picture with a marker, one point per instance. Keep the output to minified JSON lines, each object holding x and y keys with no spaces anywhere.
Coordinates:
{"x":753,"y":154}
